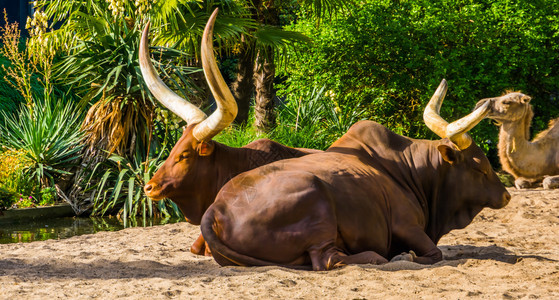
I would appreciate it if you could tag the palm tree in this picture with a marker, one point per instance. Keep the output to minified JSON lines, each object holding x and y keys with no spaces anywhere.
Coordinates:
{"x":253,"y":31}
{"x":261,"y":49}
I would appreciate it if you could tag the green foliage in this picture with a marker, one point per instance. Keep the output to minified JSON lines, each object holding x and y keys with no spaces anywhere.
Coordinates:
{"x":391,"y":55}
{"x":314,"y":114}
{"x":108,"y":62}
{"x":49,"y":134}
{"x":7,"y":198}
{"x":48,"y":196}
{"x":310,"y":120}
{"x":25,"y":202}
{"x":13,"y":182}
{"x":121,"y":188}
{"x":239,"y":135}
{"x":10,"y":99}
{"x":177,"y":22}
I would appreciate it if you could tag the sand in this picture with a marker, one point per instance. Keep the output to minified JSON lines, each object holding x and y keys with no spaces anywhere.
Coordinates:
{"x":504,"y":254}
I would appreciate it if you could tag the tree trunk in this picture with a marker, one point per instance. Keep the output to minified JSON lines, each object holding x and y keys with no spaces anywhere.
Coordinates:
{"x":243,"y":87}
{"x":264,"y":73}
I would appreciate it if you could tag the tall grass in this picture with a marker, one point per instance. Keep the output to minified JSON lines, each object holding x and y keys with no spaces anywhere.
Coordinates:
{"x":311,"y":120}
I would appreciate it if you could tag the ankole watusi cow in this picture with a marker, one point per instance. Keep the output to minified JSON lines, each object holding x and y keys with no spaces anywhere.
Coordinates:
{"x":198,"y":167}
{"x":367,"y":199}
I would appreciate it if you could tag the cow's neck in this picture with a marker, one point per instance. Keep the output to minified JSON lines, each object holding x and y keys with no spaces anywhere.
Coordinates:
{"x":229,"y":162}
{"x":445,"y":212}
{"x":445,"y":218}
{"x":212,"y":172}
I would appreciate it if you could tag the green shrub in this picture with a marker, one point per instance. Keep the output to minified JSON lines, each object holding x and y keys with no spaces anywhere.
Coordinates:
{"x":7,"y":198}
{"x":13,"y":183}
{"x":48,"y":196}
{"x":25,"y":202}
{"x":391,"y":55}
{"x":121,"y":189}
{"x":238,"y":136}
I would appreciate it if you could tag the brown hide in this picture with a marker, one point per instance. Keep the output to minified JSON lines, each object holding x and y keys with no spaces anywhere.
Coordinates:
{"x":192,"y":180}
{"x":371,"y":196}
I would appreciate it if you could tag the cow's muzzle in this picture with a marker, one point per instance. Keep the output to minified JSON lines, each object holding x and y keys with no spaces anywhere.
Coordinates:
{"x":505,"y":199}
{"x":151,"y":190}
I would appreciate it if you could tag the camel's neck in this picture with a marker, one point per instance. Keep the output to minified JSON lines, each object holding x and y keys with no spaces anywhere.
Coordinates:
{"x":518,"y":155}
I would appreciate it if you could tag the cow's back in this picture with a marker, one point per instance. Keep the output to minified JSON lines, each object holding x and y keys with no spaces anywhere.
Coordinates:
{"x":265,"y":151}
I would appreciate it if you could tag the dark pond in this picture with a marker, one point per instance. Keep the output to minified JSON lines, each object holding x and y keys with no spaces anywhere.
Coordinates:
{"x":60,"y":228}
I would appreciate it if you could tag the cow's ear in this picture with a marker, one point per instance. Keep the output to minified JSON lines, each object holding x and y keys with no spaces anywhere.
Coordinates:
{"x":449,"y":154}
{"x":205,"y":148}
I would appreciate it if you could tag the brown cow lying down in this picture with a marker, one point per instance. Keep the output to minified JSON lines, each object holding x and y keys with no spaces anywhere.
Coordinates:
{"x":371,"y":196}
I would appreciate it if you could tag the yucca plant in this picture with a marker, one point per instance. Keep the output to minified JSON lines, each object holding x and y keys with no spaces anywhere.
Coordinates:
{"x":107,"y":63}
{"x":49,"y":133}
{"x":303,"y":111}
{"x":338,"y":118}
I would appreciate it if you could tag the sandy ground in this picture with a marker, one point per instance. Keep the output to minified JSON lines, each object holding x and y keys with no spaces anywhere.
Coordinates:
{"x":504,"y":254}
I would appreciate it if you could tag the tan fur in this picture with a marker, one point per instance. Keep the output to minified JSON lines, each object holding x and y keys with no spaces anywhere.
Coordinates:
{"x":526,"y":160}
{"x":506,"y":145}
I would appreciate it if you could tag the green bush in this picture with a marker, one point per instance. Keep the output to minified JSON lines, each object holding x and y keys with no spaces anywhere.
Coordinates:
{"x":308,"y":120}
{"x":13,"y":183}
{"x":121,"y":189}
{"x":7,"y":198}
{"x":391,"y":55}
{"x":48,"y":196}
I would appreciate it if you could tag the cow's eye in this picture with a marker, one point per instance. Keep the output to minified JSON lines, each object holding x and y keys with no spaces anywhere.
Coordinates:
{"x":183,"y":155}
{"x":481,"y":171}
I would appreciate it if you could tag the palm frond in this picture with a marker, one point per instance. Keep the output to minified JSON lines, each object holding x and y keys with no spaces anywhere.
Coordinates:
{"x":185,"y":31}
{"x":279,"y":40}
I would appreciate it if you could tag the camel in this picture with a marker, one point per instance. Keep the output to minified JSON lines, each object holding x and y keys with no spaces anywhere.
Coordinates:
{"x":532,"y":163}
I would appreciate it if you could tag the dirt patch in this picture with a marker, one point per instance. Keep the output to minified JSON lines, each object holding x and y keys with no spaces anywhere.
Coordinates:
{"x":507,"y":253}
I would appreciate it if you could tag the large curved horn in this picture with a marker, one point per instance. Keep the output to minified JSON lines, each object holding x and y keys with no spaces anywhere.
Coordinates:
{"x":457,"y":130}
{"x":226,"y":105}
{"x":175,"y":103}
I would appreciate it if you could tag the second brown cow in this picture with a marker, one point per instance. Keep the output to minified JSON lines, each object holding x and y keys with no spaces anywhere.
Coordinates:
{"x":370,"y":197}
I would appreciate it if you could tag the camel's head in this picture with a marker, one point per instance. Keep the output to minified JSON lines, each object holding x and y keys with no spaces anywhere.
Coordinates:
{"x":510,"y":107}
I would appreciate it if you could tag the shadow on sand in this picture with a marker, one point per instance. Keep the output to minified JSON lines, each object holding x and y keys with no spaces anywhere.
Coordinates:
{"x":138,"y":269}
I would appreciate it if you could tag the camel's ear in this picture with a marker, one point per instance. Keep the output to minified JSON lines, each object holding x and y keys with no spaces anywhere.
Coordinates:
{"x":450,"y":154}
{"x":205,"y":148}
{"x":525,"y":99}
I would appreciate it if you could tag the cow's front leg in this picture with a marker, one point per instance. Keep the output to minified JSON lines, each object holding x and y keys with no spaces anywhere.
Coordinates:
{"x":200,"y":247}
{"x":326,"y":258}
{"x":422,"y":248}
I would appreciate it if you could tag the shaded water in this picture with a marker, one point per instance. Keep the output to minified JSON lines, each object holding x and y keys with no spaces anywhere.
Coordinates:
{"x":60,"y":228}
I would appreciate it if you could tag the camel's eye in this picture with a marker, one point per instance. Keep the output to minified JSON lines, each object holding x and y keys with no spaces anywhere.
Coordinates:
{"x":507,"y":102}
